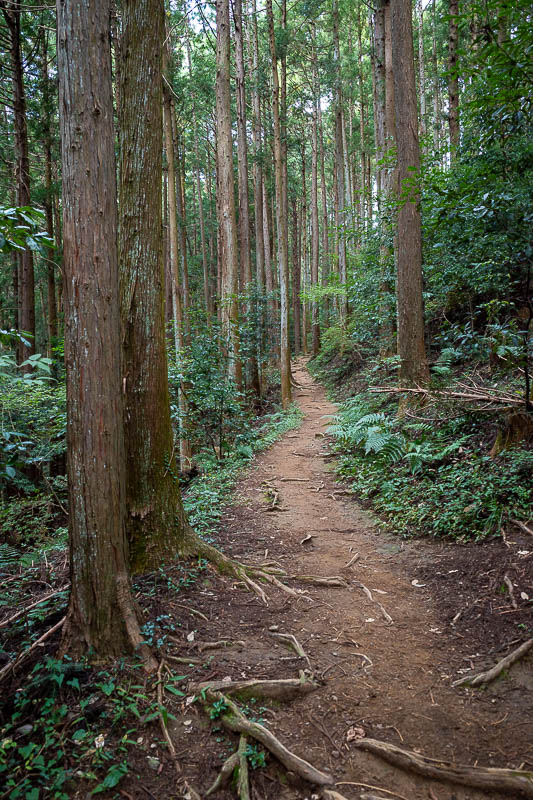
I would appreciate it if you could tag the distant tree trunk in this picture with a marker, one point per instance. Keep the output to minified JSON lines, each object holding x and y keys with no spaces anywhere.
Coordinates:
{"x":26,"y":278}
{"x":182,"y":231}
{"x":155,"y":519}
{"x":258,"y":196}
{"x":421,"y":69}
{"x":339,"y":169}
{"x":101,"y":616}
{"x":315,"y":233}
{"x":437,"y":112}
{"x":281,"y":227}
{"x":252,"y":373}
{"x":48,"y":200}
{"x":453,"y":77}
{"x":411,"y":348}
{"x":325,"y":231}
{"x":296,"y":280}
{"x":228,"y":252}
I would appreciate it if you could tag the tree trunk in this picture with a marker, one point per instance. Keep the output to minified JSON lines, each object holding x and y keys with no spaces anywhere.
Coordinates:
{"x":26,"y":277}
{"x":101,"y":618}
{"x":325,"y":231}
{"x":339,"y":170}
{"x":436,"y":88}
{"x":48,"y":200}
{"x":155,"y":519}
{"x":283,"y":261}
{"x":296,"y":280}
{"x":252,"y":373}
{"x":315,"y":233}
{"x":228,"y":252}
{"x":453,"y":76}
{"x":421,"y":71}
{"x":411,"y":349}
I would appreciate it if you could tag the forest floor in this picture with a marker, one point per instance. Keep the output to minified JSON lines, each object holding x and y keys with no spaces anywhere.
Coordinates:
{"x":388,"y":680}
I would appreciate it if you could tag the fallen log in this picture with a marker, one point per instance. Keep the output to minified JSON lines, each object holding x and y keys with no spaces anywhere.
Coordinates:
{"x":508,"y":781}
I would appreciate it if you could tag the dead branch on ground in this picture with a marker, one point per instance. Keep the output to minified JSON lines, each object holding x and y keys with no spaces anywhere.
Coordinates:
{"x":8,"y":669}
{"x":285,"y":689}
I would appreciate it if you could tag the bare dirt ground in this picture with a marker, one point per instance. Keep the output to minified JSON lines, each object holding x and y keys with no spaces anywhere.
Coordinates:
{"x":385,"y":662}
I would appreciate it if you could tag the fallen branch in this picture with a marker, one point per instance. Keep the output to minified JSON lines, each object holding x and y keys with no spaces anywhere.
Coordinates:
{"x":25,"y":610}
{"x":480,"y":395}
{"x":235,"y":721}
{"x":5,"y":671}
{"x":482,"y":678}
{"x":354,"y":559}
{"x":292,"y":642}
{"x":368,"y":593}
{"x":523,"y":527}
{"x":509,"y":781}
{"x":285,"y":689}
{"x":162,"y":723}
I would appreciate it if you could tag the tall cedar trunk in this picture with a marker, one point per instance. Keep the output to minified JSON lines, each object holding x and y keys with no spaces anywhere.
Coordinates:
{"x":26,"y":277}
{"x":228,"y":251}
{"x":205,"y":264}
{"x":324,"y":199}
{"x":296,"y":279}
{"x":421,"y":70}
{"x":436,"y":88}
{"x":258,"y":195}
{"x":413,"y":364}
{"x":315,"y":233}
{"x":101,"y":616}
{"x":281,"y":221}
{"x":453,"y":76}
{"x":48,"y":200}
{"x":366,"y":200}
{"x":252,"y":373}
{"x":303,"y":251}
{"x":154,"y":513}
{"x":339,"y":168}
{"x":185,"y":451}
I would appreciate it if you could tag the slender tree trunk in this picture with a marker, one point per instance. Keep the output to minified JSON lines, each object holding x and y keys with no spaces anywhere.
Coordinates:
{"x":228,"y":253}
{"x":296,"y":280}
{"x":315,"y":233}
{"x":182,"y":231}
{"x":453,"y":76}
{"x":155,"y":520}
{"x":421,"y":70}
{"x":48,"y":201}
{"x":252,"y":373}
{"x":281,"y":227}
{"x":26,"y":277}
{"x":437,"y":113}
{"x":339,"y":168}
{"x":411,"y":347}
{"x":325,"y":226}
{"x":101,"y":618}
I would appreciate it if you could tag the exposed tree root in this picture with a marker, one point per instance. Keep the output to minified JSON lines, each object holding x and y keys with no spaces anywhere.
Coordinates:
{"x":508,"y":781}
{"x":286,"y":689}
{"x":482,"y":678}
{"x":234,"y":720}
{"x":223,"y":643}
{"x":194,"y":546}
{"x":224,"y":776}
{"x":243,"y":781}
{"x":316,"y":580}
{"x":291,"y":641}
{"x":330,"y":794}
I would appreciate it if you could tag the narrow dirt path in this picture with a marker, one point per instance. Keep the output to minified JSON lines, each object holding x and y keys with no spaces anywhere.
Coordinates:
{"x":386,"y":660}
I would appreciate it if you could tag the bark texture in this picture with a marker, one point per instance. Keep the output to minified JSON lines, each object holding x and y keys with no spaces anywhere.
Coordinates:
{"x":101,"y":614}
{"x":154,"y":513}
{"x":411,"y":348}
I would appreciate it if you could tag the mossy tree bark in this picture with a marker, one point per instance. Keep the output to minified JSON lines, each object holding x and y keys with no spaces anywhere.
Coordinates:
{"x":101,"y":616}
{"x":154,"y":514}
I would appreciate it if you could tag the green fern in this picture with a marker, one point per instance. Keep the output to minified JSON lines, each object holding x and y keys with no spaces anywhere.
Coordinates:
{"x":9,"y":556}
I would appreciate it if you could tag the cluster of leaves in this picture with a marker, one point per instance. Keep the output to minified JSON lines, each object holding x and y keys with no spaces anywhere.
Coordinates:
{"x":69,"y":725}
{"x":20,"y":228}
{"x":431,"y":477}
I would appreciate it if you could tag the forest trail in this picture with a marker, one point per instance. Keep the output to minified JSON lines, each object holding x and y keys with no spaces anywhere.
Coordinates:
{"x":386,"y":680}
